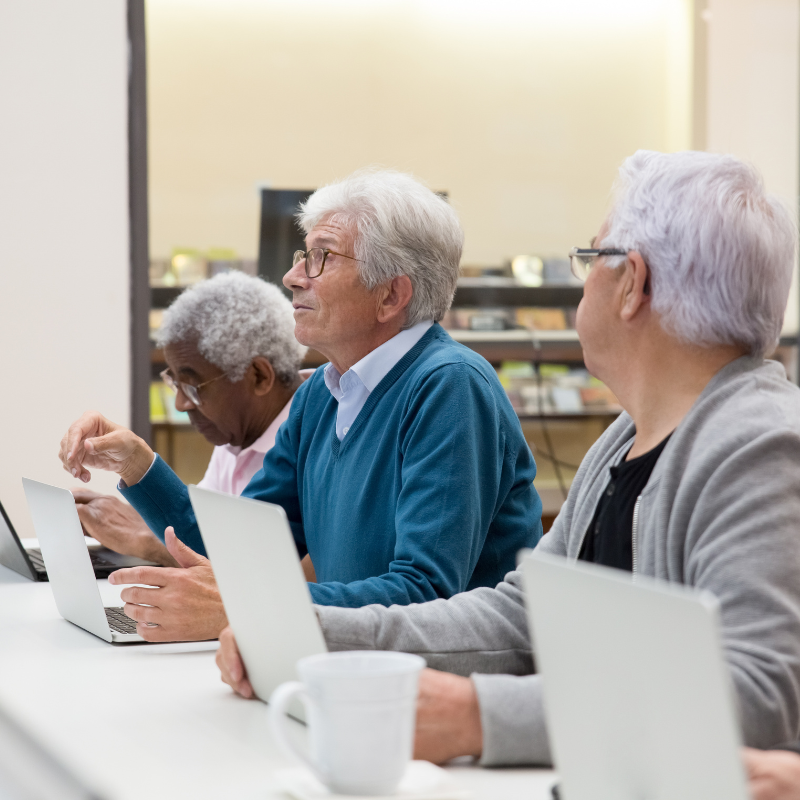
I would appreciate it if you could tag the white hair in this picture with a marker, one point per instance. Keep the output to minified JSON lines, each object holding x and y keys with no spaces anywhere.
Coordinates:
{"x":401,"y":228}
{"x":234,"y":318}
{"x":720,"y":249}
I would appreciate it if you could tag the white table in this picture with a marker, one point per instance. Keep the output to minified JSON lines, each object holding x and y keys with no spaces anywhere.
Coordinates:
{"x":154,"y":721}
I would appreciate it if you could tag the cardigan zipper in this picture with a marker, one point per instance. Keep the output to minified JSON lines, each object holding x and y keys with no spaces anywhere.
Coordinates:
{"x":634,"y":532}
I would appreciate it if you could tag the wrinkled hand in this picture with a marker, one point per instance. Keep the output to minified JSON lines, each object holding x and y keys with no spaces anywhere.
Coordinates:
{"x":231,"y":666}
{"x":448,"y":715}
{"x":184,"y":606}
{"x":94,"y":441}
{"x":119,"y":527}
{"x":448,"y":718}
{"x":772,"y":774}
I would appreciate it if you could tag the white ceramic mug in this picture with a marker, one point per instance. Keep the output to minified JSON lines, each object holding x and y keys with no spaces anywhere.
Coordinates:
{"x":361,"y":709}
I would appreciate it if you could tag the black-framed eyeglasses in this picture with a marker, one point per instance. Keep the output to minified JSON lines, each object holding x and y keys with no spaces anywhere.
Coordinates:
{"x":315,"y":259}
{"x":190,"y":391}
{"x":582,"y":258}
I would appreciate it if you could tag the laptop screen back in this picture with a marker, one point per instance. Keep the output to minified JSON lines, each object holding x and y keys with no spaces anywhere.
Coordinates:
{"x":12,"y":554}
{"x":58,"y":528}
{"x":262,"y":585}
{"x":638,"y":698}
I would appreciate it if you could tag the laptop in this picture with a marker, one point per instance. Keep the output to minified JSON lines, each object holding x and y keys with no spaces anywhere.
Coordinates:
{"x":69,"y":566}
{"x":258,"y":573}
{"x":29,"y":563}
{"x":638,"y":698}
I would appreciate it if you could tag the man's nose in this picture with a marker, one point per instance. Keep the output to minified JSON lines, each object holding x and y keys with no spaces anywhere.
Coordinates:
{"x":182,"y":402}
{"x":296,"y":277}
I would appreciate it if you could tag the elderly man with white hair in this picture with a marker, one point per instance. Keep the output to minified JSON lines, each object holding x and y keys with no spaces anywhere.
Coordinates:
{"x":402,"y":466}
{"x":237,"y":390}
{"x":697,"y":482}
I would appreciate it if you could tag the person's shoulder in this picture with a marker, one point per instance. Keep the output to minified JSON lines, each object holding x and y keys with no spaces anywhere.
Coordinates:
{"x":313,"y":381}
{"x":311,"y":395}
{"x":748,"y":419}
{"x":750,"y":401}
{"x":443,"y":354}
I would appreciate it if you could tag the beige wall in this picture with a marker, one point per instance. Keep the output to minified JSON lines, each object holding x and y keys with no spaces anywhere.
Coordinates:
{"x":753,"y":91}
{"x":521,"y":110}
{"x":63,"y":232}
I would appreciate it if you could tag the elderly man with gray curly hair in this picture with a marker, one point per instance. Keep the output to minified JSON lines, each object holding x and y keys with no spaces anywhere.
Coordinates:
{"x":402,"y":466}
{"x":237,"y":391}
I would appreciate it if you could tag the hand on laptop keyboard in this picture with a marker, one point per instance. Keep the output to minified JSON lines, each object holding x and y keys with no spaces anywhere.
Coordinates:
{"x":185,"y":605}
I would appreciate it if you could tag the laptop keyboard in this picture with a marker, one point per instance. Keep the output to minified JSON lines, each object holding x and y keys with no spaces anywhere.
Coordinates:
{"x":35,"y":555}
{"x":119,"y":621}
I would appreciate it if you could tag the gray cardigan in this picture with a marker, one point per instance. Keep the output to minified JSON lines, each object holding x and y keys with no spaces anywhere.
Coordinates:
{"x":721,"y":512}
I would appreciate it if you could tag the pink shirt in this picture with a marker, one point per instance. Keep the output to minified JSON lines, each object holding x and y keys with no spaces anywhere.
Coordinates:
{"x":231,"y":468}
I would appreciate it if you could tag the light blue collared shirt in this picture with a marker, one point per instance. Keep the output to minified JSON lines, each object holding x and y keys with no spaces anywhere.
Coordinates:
{"x":352,"y":389}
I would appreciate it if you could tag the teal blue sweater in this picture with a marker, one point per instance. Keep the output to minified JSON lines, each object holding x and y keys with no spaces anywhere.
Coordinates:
{"x":429,"y":494}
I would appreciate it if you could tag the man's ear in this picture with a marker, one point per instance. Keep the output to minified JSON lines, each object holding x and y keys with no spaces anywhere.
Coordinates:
{"x":635,"y":286}
{"x":394,"y":297}
{"x":264,"y":375}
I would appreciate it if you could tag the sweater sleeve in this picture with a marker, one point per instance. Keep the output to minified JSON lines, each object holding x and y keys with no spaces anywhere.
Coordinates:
{"x":453,"y":430}
{"x":743,"y":545}
{"x":482,"y":631}
{"x":162,"y":498}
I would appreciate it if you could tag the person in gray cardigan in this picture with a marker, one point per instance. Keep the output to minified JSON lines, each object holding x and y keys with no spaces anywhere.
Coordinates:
{"x":686,"y":287}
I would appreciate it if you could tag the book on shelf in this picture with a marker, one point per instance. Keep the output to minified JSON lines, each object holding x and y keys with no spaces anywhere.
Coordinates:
{"x":558,"y":389}
{"x":162,"y":406}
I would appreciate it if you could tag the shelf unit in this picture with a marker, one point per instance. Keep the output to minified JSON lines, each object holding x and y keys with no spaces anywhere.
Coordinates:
{"x":572,"y":433}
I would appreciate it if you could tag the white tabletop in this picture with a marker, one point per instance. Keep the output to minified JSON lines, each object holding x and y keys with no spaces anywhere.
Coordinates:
{"x":154,"y":721}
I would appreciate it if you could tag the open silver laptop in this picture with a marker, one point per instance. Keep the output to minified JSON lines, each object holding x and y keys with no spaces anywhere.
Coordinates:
{"x":69,"y":567}
{"x":262,"y":585}
{"x":27,"y":560}
{"x":637,"y":694}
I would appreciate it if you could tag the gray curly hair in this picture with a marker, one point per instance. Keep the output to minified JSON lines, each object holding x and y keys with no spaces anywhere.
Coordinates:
{"x":234,"y":318}
{"x":401,"y":228}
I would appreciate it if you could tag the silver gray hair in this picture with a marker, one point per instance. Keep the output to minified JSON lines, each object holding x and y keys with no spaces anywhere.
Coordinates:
{"x":234,"y":318}
{"x":401,"y":228}
{"x":719,"y":248}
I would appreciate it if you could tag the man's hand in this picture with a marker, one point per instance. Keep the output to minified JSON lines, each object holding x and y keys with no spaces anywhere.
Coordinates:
{"x":448,"y":715}
{"x":94,"y":441}
{"x":231,"y":665}
{"x":119,"y":527}
{"x":772,"y":774}
{"x":448,"y":718}
{"x":185,"y":606}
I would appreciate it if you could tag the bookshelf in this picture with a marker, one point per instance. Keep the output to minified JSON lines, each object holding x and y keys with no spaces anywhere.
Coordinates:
{"x":570,"y":432}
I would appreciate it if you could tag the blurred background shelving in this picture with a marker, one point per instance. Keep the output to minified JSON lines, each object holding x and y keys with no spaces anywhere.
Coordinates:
{"x":520,"y":316}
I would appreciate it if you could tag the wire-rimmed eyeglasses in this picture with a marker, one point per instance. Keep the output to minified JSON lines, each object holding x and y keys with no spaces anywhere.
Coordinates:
{"x":190,"y":391}
{"x":315,"y":259}
{"x":581,"y":259}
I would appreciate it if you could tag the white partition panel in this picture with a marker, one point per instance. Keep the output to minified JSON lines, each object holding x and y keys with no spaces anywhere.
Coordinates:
{"x":754,"y":95}
{"x":64,"y":296}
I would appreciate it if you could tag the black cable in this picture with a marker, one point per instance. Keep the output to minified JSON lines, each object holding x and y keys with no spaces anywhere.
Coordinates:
{"x":550,"y":453}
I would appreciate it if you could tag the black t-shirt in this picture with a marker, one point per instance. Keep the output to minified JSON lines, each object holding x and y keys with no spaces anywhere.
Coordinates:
{"x":609,"y":540}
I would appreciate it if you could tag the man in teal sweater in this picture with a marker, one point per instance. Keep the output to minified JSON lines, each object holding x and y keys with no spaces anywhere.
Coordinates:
{"x":402,"y":466}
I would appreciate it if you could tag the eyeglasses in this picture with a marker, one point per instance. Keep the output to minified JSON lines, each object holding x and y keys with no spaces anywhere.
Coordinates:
{"x":315,"y":259}
{"x":191,"y":392}
{"x":581,"y":259}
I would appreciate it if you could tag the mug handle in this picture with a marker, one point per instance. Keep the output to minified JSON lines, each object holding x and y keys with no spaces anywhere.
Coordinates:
{"x":278,"y":705}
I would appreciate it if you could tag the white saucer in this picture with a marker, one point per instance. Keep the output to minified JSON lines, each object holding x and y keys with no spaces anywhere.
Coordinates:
{"x":422,"y":781}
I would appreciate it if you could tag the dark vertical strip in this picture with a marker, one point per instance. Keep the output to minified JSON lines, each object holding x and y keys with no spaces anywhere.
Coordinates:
{"x":139,"y":235}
